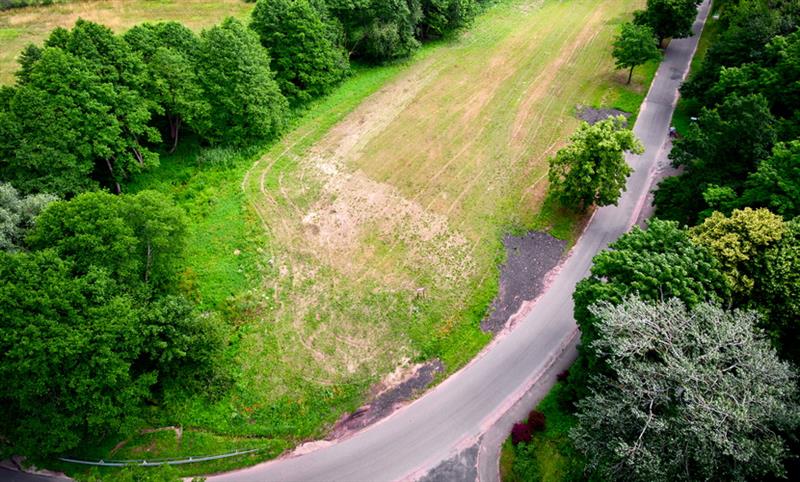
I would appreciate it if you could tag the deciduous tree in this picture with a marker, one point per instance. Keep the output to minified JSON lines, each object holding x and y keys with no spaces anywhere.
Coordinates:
{"x":696,"y":395}
{"x":592,"y":168}
{"x":246,"y":103}
{"x":305,"y":61}
{"x":669,"y":18}
{"x":738,"y":240}
{"x":635,"y":45}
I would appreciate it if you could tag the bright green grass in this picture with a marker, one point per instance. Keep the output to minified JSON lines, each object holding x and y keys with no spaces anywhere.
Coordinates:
{"x":550,"y":456}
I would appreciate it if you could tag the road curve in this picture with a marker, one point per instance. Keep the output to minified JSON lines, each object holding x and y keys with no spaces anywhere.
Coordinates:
{"x":455,"y":414}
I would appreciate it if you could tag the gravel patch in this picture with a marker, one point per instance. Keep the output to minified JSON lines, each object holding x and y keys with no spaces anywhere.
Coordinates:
{"x":384,"y":403}
{"x":528,"y":259}
{"x":593,"y":115}
{"x":462,"y":467}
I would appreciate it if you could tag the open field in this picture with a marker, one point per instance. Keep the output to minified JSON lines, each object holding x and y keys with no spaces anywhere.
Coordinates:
{"x":22,"y":26}
{"x":369,"y":236}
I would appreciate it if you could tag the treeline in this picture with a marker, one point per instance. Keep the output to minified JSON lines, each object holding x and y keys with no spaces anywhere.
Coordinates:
{"x":8,"y":4}
{"x":95,"y":325}
{"x":687,"y":366}
{"x":91,"y":108}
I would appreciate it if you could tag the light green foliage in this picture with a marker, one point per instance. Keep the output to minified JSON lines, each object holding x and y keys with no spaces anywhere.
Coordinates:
{"x":306,"y":62}
{"x":696,"y":395}
{"x":378,"y":30}
{"x":76,"y":115}
{"x":669,"y":18}
{"x":737,"y":241}
{"x":776,"y":182}
{"x":17,"y":215}
{"x":635,"y":45}
{"x":440,"y":17}
{"x":169,"y":50}
{"x":246,"y":103}
{"x":592,"y":168}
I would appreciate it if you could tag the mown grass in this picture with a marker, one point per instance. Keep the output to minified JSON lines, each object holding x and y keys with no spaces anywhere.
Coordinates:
{"x":22,"y":26}
{"x":550,"y":455}
{"x":297,"y":334}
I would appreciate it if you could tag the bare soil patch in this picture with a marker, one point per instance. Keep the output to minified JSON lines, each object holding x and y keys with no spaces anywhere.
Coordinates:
{"x":529,"y":258}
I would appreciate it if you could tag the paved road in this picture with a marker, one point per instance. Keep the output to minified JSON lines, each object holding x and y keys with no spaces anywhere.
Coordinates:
{"x":454,"y":415}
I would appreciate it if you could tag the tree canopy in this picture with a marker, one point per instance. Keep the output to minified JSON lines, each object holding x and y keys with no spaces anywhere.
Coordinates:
{"x":696,"y":395}
{"x":669,"y":18}
{"x":17,"y":215}
{"x":306,"y":62}
{"x":592,"y":168}
{"x":246,"y":103}
{"x":635,"y":45}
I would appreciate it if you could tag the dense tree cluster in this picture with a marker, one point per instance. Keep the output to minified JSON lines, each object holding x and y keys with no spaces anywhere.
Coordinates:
{"x":741,"y":151}
{"x":92,"y":322}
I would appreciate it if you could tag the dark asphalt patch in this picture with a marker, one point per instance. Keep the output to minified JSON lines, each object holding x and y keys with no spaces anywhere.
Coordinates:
{"x":528,"y":259}
{"x":385,"y":402}
{"x":593,"y":115}
{"x":462,"y":467}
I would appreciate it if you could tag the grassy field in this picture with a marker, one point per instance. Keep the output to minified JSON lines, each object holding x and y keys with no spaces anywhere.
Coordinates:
{"x":22,"y":26}
{"x":368,"y":237}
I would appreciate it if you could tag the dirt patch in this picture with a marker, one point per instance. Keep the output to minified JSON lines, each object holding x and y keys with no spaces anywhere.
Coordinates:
{"x":528,"y":259}
{"x":593,"y":115}
{"x":399,"y":387}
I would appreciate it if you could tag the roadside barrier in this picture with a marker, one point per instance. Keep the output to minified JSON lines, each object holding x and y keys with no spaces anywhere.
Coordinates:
{"x":155,"y":462}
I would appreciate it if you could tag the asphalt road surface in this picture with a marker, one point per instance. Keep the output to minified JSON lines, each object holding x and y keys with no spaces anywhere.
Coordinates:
{"x":455,"y":414}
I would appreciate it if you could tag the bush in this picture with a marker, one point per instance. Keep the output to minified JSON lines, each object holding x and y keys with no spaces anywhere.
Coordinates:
{"x":562,"y":376}
{"x":536,"y":421}
{"x":521,"y":433}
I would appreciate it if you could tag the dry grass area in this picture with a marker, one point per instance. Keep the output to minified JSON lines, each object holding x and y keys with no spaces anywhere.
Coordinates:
{"x":384,"y":235}
{"x":19,"y":27}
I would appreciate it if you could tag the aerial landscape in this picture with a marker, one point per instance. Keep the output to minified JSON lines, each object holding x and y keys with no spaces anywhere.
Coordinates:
{"x":368,"y":240}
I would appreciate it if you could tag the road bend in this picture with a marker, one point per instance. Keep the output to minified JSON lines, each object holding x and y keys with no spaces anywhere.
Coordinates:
{"x":455,"y":414}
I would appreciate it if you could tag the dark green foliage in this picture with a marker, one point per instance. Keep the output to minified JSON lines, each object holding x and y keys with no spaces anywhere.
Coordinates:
{"x":440,"y":17}
{"x":378,"y":30}
{"x":719,"y":150}
{"x":91,"y":323}
{"x":776,"y":182}
{"x":306,"y":62}
{"x":137,"y":239}
{"x":246,"y":103}
{"x":77,"y":116}
{"x":169,"y":51}
{"x":68,"y":344}
{"x":777,"y":292}
{"x":668,"y":18}
{"x":635,"y":45}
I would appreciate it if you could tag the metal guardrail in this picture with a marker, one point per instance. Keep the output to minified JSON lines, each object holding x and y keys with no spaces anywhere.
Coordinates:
{"x":155,"y":462}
